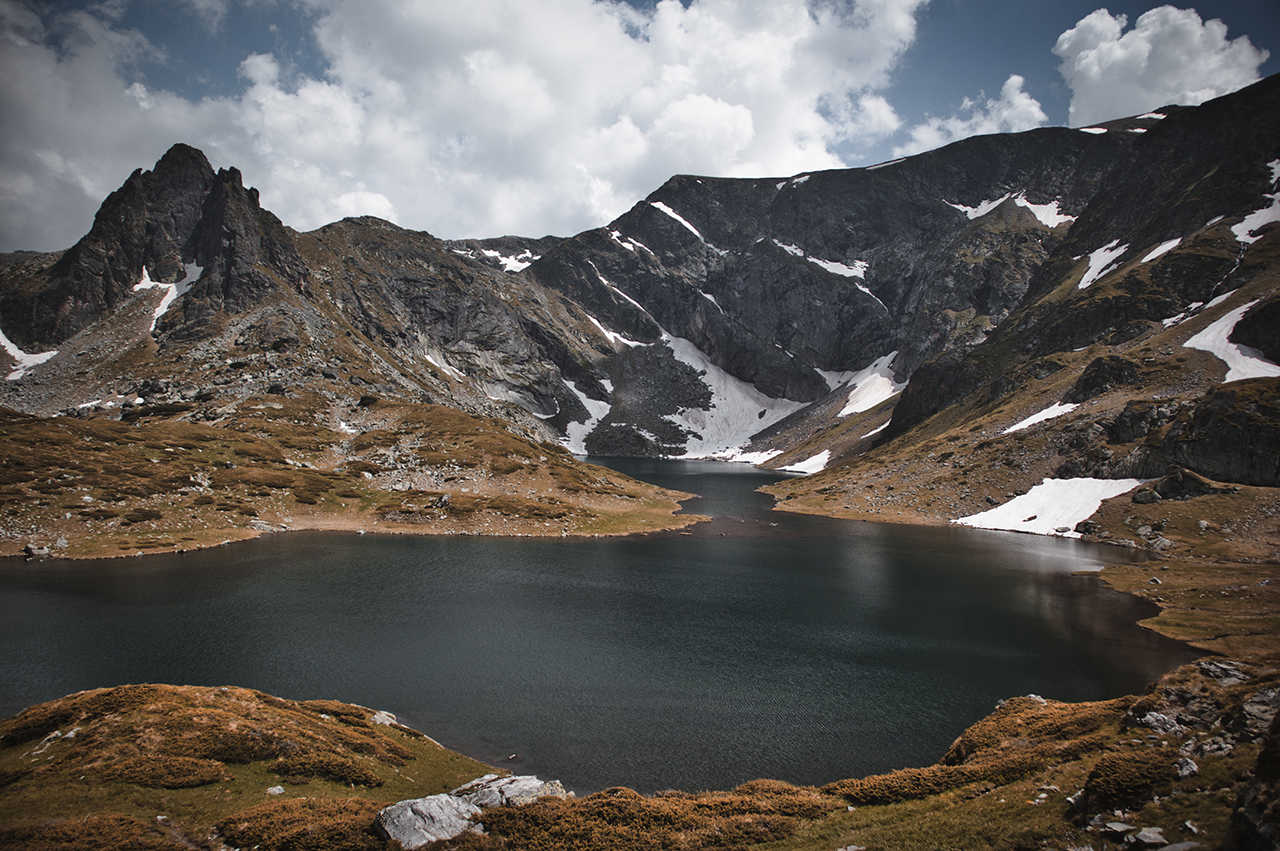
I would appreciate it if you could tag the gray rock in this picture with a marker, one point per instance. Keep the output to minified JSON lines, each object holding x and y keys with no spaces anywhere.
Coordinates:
{"x":418,"y":821}
{"x":275,"y":790}
{"x":1118,"y":827}
{"x":1186,"y":767}
{"x":1226,"y":673}
{"x":1160,"y":722}
{"x":494,"y":791}
{"x":1151,"y":837}
{"x":1145,"y":496}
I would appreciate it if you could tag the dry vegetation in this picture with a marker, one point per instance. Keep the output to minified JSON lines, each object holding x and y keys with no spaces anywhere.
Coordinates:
{"x":100,"y":487}
{"x":96,"y":768}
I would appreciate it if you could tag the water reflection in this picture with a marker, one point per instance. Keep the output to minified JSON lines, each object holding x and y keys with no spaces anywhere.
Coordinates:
{"x":760,"y":644}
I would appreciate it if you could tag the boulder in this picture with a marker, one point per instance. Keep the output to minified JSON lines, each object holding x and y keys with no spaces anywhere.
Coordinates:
{"x":491,"y":790}
{"x":418,"y":821}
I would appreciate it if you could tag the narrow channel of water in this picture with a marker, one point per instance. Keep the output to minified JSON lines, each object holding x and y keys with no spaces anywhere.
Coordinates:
{"x":761,"y":644}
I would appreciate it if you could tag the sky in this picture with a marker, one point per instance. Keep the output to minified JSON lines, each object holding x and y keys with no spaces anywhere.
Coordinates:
{"x":473,"y":118}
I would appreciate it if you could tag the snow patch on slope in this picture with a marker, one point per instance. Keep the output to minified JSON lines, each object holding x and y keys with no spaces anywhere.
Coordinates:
{"x":1097,"y":131}
{"x":753,"y":457}
{"x":1161,"y":249}
{"x":835,"y":379}
{"x":628,"y":298}
{"x":1242,"y":361}
{"x":1057,"y":409}
{"x":1156,"y":115}
{"x":613,"y":336}
{"x":629,"y":243}
{"x":886,"y":164}
{"x":1047,"y":214}
{"x":513,"y":262}
{"x":1256,"y":220}
{"x":857,"y":270}
{"x":876,"y":430}
{"x":1102,"y":261}
{"x":738,"y":410}
{"x":810,"y":465}
{"x":673,"y":214}
{"x":191,"y":274}
{"x":872,"y":385}
{"x":1264,"y":216}
{"x":1051,"y":505}
{"x":444,"y":367}
{"x":24,"y":361}
{"x":982,"y":208}
{"x":575,"y":439}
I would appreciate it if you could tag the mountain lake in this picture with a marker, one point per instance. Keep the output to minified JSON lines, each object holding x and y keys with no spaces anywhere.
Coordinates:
{"x":760,"y":644}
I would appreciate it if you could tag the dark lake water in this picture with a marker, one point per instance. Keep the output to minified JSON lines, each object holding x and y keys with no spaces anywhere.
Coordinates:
{"x":762,"y":644}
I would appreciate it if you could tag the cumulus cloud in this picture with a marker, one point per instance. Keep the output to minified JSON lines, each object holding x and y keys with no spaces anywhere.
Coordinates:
{"x":1012,"y":111}
{"x":1170,"y":56}
{"x":467,"y":118}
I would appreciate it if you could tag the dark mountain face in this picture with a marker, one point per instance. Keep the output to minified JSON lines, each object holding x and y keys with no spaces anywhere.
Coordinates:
{"x":178,"y":213}
{"x":712,"y":311}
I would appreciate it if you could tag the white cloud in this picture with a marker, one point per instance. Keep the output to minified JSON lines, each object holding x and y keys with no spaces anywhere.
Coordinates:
{"x":1012,"y":111}
{"x":1170,"y":56}
{"x":466,"y":118}
{"x":211,"y":12}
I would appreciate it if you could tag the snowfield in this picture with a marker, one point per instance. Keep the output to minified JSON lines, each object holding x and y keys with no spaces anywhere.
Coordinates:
{"x":1242,"y":361}
{"x":1051,"y":505}
{"x":738,"y":410}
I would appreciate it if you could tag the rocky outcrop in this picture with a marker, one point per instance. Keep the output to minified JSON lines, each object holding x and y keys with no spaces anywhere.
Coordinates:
{"x":149,"y":221}
{"x":1255,"y":823}
{"x":493,"y":790}
{"x":1101,"y":375}
{"x":179,"y":214}
{"x":1260,"y":328}
{"x":420,"y":821}
{"x":1232,"y":434}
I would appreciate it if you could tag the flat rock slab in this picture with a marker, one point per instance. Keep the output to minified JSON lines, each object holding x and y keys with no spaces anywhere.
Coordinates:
{"x":415,"y":822}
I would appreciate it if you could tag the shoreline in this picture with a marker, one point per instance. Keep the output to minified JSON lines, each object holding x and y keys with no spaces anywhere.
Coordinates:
{"x":354,"y":525}
{"x":1224,"y":577}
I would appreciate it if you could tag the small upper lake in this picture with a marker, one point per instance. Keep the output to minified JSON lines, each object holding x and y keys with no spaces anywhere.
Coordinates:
{"x":762,"y":644}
